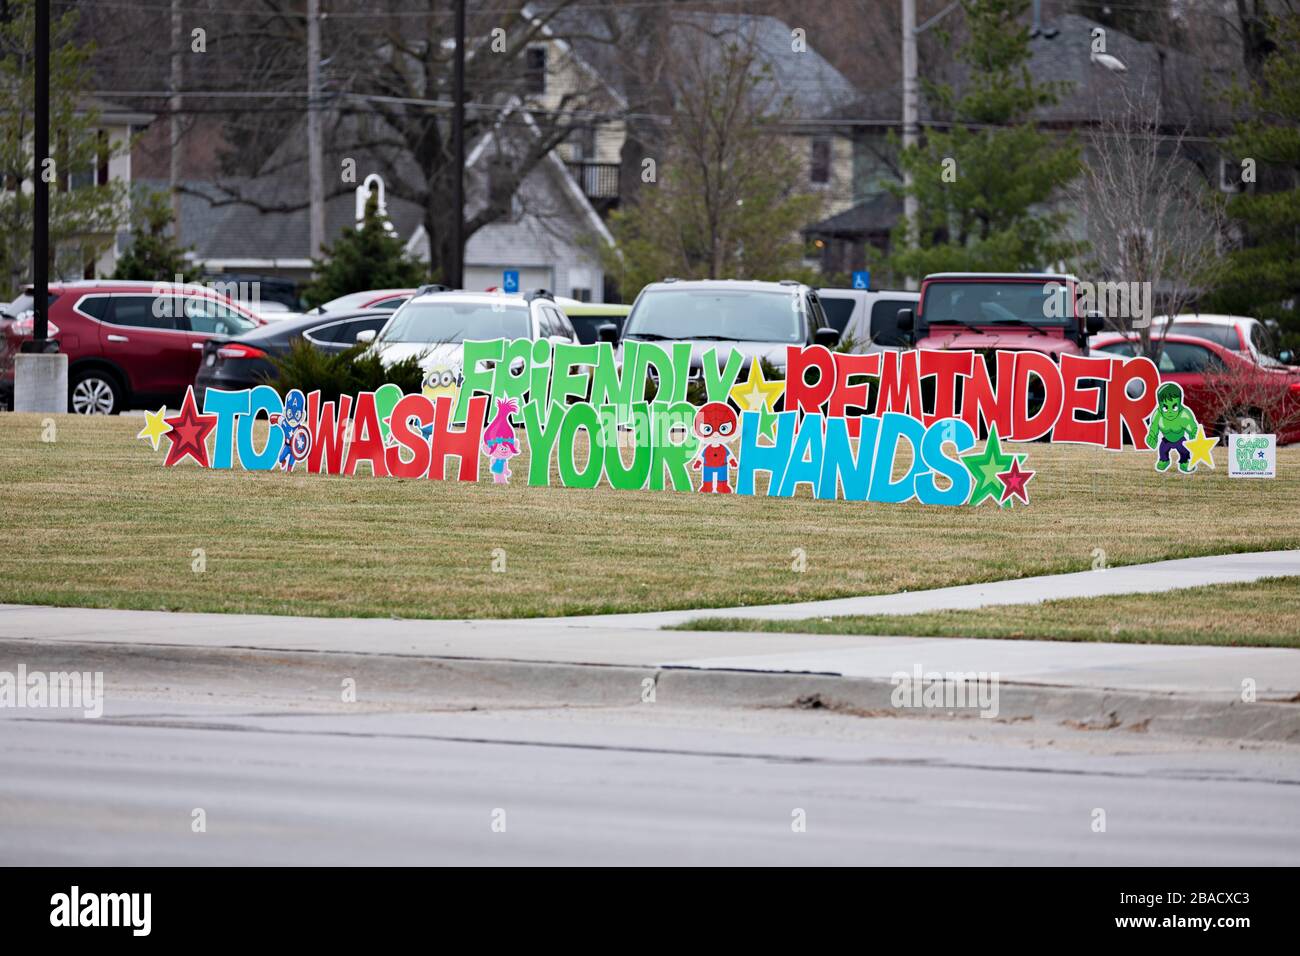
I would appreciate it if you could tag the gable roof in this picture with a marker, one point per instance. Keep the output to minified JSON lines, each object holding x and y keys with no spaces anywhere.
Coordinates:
{"x":1156,"y":77}
{"x":812,"y":83}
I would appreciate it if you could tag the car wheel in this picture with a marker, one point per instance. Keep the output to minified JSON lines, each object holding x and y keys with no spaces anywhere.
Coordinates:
{"x":95,"y":392}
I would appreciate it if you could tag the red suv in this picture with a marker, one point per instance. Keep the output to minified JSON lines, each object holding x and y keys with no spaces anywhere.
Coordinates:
{"x":986,"y":311}
{"x":128,"y":343}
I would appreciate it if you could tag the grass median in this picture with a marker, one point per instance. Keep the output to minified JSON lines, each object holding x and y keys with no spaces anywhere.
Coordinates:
{"x":1257,"y":614}
{"x":93,"y":519}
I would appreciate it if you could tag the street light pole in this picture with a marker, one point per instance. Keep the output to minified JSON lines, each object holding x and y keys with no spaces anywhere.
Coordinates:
{"x":41,"y":186}
{"x":457,"y":264}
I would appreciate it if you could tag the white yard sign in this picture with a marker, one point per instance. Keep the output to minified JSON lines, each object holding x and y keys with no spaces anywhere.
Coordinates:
{"x":1252,"y":456}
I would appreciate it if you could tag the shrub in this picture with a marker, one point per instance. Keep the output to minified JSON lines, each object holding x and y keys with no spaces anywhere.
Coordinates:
{"x":342,"y":373}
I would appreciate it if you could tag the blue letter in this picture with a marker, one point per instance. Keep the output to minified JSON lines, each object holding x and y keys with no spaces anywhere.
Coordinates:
{"x":939,"y":462}
{"x":893,"y":426}
{"x":225,"y":405}
{"x":263,"y":399}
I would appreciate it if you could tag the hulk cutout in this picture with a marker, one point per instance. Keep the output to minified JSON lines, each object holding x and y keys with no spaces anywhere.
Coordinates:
{"x":1174,"y":423}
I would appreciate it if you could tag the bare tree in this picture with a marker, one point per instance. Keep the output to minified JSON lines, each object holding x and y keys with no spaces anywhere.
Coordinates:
{"x":1150,"y":216}
{"x":723,"y":202}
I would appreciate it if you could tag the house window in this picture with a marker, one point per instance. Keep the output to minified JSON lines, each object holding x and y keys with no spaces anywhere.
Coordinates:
{"x":535,"y":69}
{"x":819,"y":166}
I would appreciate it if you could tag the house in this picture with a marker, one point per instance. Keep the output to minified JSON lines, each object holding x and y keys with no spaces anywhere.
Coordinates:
{"x":796,"y":72}
{"x":115,"y":127}
{"x":1171,"y":82}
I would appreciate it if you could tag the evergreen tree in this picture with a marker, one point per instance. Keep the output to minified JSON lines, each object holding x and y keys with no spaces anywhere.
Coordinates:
{"x":154,"y":256}
{"x":365,"y":258}
{"x":980,"y":184}
{"x":1262,"y":278}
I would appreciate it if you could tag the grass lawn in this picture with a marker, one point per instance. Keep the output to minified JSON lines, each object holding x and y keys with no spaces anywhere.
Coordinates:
{"x":1259,"y":614}
{"x":93,"y":519}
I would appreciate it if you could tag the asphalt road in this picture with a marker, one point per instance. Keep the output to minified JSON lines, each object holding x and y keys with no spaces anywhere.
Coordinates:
{"x":280,"y":781}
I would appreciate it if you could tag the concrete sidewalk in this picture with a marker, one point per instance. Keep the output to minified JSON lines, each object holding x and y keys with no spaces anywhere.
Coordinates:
{"x":1086,"y":678}
{"x":1128,"y":579}
{"x":635,"y":640}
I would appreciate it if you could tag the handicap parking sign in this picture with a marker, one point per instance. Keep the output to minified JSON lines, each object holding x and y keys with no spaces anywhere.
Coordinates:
{"x":510,"y":280}
{"x":861,"y":279}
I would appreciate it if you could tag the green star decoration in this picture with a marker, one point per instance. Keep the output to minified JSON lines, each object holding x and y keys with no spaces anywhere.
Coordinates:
{"x":984,"y":467}
{"x":766,"y":421}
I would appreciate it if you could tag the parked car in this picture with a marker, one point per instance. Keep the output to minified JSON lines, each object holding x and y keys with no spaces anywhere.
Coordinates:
{"x":760,"y":319}
{"x":869,"y":319}
{"x":588,"y":317}
{"x":434,"y":325}
{"x":266,"y":309}
{"x":248,"y":360}
{"x":1226,"y":390}
{"x":242,"y":285}
{"x":128,"y":343}
{"x":1034,"y":312}
{"x":1236,"y":332}
{"x":388,"y":299}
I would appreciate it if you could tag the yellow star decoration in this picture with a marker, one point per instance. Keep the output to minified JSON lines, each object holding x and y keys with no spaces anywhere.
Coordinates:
{"x":755,"y":393}
{"x":1200,"y":447}
{"x":154,"y":427}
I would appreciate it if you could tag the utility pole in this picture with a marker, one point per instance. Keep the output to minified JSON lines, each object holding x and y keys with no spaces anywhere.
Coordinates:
{"x":315,"y":173}
{"x":457,"y":265}
{"x":174,"y":159}
{"x":40,"y":185}
{"x":911,"y":125}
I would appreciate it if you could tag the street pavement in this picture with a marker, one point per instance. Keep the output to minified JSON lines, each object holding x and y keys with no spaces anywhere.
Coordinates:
{"x":633,"y":785}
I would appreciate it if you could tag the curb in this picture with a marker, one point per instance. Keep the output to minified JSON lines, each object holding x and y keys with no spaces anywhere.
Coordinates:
{"x":315,"y":677}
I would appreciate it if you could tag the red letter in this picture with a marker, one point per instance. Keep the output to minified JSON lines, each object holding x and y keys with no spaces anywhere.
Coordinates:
{"x":900,"y":384}
{"x":945,"y":366}
{"x":1122,"y":410}
{"x":1023,"y":426}
{"x":799,"y":395}
{"x":847,"y":396}
{"x":1087,"y":399}
{"x":367,"y":444}
{"x":327,"y":433}
{"x":978,"y":399}
{"x":408,"y":407}
{"x":463,"y":443}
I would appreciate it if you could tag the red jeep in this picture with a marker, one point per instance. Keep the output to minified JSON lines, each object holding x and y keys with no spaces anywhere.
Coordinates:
{"x":128,"y":343}
{"x":985,"y":312}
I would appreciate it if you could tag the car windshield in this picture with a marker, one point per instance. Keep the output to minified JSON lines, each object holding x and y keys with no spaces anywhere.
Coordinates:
{"x":997,"y":303}
{"x":1225,"y":335}
{"x":742,"y":316}
{"x":433,"y":323}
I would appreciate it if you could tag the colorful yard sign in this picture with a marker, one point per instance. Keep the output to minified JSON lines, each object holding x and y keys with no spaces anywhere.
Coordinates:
{"x":838,"y":425}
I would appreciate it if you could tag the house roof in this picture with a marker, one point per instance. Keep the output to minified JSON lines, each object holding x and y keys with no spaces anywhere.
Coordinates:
{"x":877,"y":214}
{"x":1156,"y":77}
{"x":114,"y":114}
{"x":810,"y":80}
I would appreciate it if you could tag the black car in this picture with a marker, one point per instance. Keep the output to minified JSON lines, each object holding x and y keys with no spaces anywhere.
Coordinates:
{"x":246,"y":361}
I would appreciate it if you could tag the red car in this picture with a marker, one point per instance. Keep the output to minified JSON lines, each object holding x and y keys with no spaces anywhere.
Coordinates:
{"x":128,"y":343}
{"x":1227,"y":391}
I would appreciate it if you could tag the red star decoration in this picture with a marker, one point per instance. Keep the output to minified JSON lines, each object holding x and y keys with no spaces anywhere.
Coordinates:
{"x":189,"y":434}
{"x":1014,"y":481}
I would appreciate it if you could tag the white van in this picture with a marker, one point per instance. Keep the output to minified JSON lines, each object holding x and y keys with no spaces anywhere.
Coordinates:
{"x":869,"y":318}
